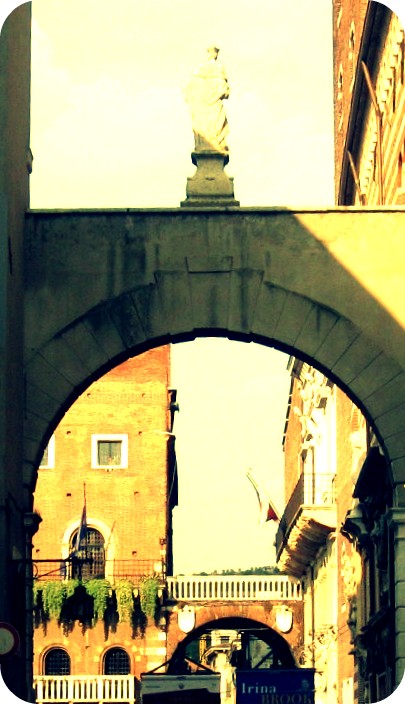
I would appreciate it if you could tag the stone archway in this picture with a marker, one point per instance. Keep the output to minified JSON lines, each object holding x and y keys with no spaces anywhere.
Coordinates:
{"x":325,"y":285}
{"x":101,"y":286}
{"x":259,"y":629}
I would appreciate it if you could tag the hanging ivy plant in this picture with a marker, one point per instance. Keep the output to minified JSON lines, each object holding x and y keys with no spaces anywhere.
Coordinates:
{"x":148,"y":591}
{"x":71,"y":586}
{"x":51,"y":595}
{"x":36,"y":591}
{"x":53,"y":598}
{"x":125,"y":600}
{"x":99,"y":589}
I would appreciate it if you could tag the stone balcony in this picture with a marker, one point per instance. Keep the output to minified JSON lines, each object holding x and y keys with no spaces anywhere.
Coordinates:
{"x":103,"y":689}
{"x":309,"y":517}
{"x":274,"y":587}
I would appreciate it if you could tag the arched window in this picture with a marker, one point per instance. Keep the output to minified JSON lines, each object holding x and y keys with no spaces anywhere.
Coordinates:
{"x":89,"y":559}
{"x":57,"y":662}
{"x":116,"y":662}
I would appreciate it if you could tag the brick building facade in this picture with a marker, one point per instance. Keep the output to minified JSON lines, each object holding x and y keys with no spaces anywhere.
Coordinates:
{"x":325,"y":443}
{"x":113,"y":452}
{"x":369,"y":100}
{"x":369,"y":89}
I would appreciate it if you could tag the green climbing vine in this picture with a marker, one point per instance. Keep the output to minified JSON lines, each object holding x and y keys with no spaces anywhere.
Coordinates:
{"x":71,"y":586}
{"x":99,"y":589}
{"x":53,"y":598}
{"x":125,"y":600}
{"x":36,"y":591}
{"x":148,"y":591}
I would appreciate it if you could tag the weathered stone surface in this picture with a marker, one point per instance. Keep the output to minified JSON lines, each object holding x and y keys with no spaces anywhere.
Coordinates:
{"x":388,"y":396}
{"x":102,"y":328}
{"x":295,"y":311}
{"x":375,"y":376}
{"x":175,"y":300}
{"x":341,"y":336}
{"x":270,"y":303}
{"x":357,"y":357}
{"x":397,"y":445}
{"x":244,"y":291}
{"x":318,"y":325}
{"x":52,"y":381}
{"x":398,"y":470}
{"x":210,"y":186}
{"x":210,"y":293}
{"x":327,"y":284}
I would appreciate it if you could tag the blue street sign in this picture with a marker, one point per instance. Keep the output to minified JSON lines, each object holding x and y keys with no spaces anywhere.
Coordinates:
{"x":271,"y":686}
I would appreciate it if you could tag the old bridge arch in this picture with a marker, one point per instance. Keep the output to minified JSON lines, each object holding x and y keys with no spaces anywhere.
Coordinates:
{"x":282,"y":645}
{"x":104,"y":285}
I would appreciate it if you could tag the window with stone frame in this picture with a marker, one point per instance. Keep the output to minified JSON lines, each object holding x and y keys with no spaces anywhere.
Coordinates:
{"x":89,"y":559}
{"x":109,"y":451}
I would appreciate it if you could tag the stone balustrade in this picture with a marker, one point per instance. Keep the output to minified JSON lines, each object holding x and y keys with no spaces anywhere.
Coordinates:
{"x":103,"y":689}
{"x":273,"y":587}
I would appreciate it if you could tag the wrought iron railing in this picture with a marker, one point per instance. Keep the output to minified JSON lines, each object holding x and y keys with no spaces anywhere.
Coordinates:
{"x":72,"y":689}
{"x":114,"y":570}
{"x":312,"y":489}
{"x":233,"y":588}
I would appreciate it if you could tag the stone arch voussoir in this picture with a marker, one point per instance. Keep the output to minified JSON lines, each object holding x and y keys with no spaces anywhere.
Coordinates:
{"x":236,"y":302}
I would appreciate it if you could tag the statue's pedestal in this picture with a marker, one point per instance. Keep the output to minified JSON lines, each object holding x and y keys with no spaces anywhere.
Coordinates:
{"x":210,"y":186}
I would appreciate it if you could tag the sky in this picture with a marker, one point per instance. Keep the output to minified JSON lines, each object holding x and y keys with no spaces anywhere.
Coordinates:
{"x":233,"y":401}
{"x":112,"y":85}
{"x":110,"y":129}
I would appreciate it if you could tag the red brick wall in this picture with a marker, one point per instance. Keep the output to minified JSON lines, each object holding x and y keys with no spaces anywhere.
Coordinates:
{"x":131,"y":399}
{"x":292,"y":444}
{"x":261,"y":612}
{"x":348,"y":15}
{"x":128,"y":505}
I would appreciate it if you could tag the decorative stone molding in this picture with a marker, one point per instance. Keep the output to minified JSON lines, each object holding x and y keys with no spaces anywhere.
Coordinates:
{"x":351,"y":571}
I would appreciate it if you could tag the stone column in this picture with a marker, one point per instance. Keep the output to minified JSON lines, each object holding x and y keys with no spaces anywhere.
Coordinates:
{"x":210,"y":186}
{"x":397,"y":523}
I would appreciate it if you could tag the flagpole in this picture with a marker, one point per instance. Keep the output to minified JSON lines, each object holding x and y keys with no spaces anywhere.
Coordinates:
{"x":85,"y":514}
{"x":266,"y":507}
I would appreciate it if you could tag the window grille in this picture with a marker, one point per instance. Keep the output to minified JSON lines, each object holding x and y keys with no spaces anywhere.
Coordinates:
{"x":90,"y":558}
{"x":116,"y":662}
{"x":57,"y":662}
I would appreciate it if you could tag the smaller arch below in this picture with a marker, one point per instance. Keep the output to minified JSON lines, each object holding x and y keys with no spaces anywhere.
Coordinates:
{"x":278,"y":652}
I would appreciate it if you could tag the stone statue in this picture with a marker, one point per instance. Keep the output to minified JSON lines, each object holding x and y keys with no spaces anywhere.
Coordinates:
{"x":205,"y":92}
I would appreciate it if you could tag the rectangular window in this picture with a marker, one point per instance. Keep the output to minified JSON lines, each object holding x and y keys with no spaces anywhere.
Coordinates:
{"x":48,"y":458}
{"x":109,"y":451}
